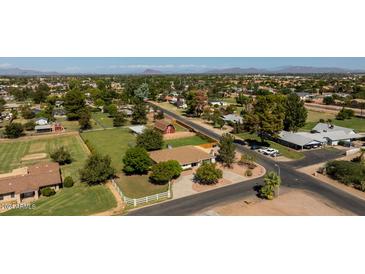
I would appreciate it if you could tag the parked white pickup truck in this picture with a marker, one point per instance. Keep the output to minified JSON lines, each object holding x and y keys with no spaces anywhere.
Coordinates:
{"x":268,"y":151}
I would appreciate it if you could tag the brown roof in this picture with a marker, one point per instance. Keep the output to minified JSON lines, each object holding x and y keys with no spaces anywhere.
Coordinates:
{"x":39,"y":175}
{"x":163,"y":124}
{"x":184,"y":155}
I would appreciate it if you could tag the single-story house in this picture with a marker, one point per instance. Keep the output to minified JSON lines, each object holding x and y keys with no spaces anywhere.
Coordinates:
{"x":14,"y":188}
{"x":218,"y":103}
{"x":138,"y":129}
{"x":233,"y":118}
{"x":43,"y":128}
{"x":321,"y":134}
{"x":187,"y":156}
{"x":36,"y":111}
{"x":41,"y":121}
{"x":165,"y":126}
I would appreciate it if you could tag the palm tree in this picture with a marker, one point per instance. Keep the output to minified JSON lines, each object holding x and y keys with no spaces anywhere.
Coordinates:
{"x":272,"y":182}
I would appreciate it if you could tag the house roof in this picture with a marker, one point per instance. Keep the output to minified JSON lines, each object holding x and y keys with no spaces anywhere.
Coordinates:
{"x":296,"y":138}
{"x":137,"y":129}
{"x":232,"y":118}
{"x":162,"y":124}
{"x":324,"y":127}
{"x":184,"y":155}
{"x":39,"y":175}
{"x":43,"y":127}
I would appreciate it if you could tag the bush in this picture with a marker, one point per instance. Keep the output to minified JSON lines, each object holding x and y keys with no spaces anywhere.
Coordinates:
{"x":163,"y":172}
{"x":345,"y":113}
{"x":248,"y":173}
{"x":68,"y":182}
{"x":14,"y":130}
{"x":119,"y":119}
{"x":208,"y":174}
{"x":61,"y":156}
{"x":29,"y":125}
{"x":348,"y":173}
{"x":136,"y":161}
{"x":47,"y":192}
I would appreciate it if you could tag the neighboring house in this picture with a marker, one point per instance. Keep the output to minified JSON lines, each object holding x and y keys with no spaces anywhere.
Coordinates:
{"x":59,"y":112}
{"x":58,"y":104}
{"x":187,"y":156}
{"x":232,"y":118}
{"x":41,"y":121}
{"x":137,"y":129}
{"x":321,"y":134}
{"x":36,"y":111}
{"x":218,"y":103}
{"x":12,"y":106}
{"x":15,"y":188}
{"x":43,"y":128}
{"x":165,"y":126}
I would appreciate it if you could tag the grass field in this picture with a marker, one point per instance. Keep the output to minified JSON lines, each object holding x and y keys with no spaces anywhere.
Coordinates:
{"x":74,"y":125}
{"x":102,"y":119}
{"x":193,"y":140}
{"x":76,"y":201}
{"x":113,"y":142}
{"x":358,"y":124}
{"x":12,"y":152}
{"x":285,"y":151}
{"x":138,"y":186}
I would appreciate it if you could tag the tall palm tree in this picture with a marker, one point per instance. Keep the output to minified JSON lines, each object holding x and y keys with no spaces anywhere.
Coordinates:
{"x":272,"y":185}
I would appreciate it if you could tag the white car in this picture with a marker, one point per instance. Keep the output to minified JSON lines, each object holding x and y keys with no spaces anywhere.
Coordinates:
{"x":268,"y":151}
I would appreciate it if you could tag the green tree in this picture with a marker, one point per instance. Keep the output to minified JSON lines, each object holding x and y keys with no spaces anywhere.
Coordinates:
{"x":295,"y":113}
{"x":136,"y":161}
{"x":84,"y":120}
{"x":150,"y":139}
{"x":41,"y":93}
{"x":227,"y":149}
{"x":111,"y":109}
{"x":164,"y":172}
{"x":208,"y":174}
{"x":27,"y":113}
{"x":97,"y":169}
{"x":74,"y":104}
{"x":328,"y":100}
{"x":2,"y":104}
{"x":196,"y":101}
{"x":30,"y":125}
{"x":344,"y":114}
{"x":272,"y":182}
{"x":14,"y":130}
{"x":119,"y":119}
{"x":139,"y":115}
{"x":142,"y":92}
{"x":242,"y":99}
{"x":61,"y":156}
{"x":266,"y":116}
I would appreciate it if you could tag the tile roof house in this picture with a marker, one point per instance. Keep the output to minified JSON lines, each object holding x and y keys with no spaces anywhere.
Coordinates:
{"x":165,"y":126}
{"x":187,"y":156}
{"x":30,"y":182}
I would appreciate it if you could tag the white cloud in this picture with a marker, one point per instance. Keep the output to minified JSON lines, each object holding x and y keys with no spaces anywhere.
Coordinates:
{"x":5,"y":65}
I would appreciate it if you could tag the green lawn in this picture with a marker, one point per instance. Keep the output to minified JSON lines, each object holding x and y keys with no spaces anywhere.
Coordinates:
{"x":285,"y":151}
{"x":12,"y":152}
{"x":193,"y":140}
{"x":113,"y":142}
{"x":171,"y":107}
{"x":138,"y":186}
{"x":76,"y":201}
{"x":179,"y":128}
{"x":103,"y":119}
{"x":74,"y":125}
{"x":358,"y":124}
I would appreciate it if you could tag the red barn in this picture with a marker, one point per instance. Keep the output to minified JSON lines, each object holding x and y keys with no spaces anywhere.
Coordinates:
{"x":165,"y":126}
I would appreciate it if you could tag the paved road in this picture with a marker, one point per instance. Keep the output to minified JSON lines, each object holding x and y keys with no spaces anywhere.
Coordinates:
{"x":290,"y":178}
{"x":316,"y":156}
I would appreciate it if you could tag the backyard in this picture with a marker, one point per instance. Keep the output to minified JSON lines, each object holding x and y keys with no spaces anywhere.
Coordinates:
{"x":113,"y":142}
{"x":102,"y":119}
{"x":285,"y":151}
{"x":79,"y":200}
{"x":358,"y":124}
{"x":11,"y":153}
{"x":193,"y":140}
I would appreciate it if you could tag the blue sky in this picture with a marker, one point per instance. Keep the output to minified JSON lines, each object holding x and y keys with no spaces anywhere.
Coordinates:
{"x":169,"y":64}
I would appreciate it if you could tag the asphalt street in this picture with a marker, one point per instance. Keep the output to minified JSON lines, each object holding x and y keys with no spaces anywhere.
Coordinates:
{"x":290,"y":178}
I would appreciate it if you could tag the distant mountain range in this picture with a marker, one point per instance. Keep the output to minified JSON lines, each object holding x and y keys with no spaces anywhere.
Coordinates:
{"x":233,"y":70}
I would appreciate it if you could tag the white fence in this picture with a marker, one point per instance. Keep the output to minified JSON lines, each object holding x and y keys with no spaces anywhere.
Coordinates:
{"x":140,"y":201}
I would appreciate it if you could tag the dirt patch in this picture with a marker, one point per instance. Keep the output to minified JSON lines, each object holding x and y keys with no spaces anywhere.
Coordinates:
{"x":35,"y":156}
{"x":178,"y":135}
{"x":15,"y":172}
{"x":290,"y":203}
{"x":200,"y":188}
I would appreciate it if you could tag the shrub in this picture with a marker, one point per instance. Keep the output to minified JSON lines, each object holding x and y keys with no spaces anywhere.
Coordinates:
{"x":349,"y":173}
{"x":68,"y":182}
{"x":248,"y":173}
{"x":61,"y":156}
{"x":47,"y":191}
{"x":163,"y":172}
{"x":14,"y":130}
{"x":29,"y":125}
{"x":345,"y":113}
{"x":208,"y":174}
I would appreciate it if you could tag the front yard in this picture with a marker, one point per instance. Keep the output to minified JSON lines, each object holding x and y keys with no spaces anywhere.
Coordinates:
{"x":137,"y":186}
{"x":285,"y":151}
{"x":193,"y":140}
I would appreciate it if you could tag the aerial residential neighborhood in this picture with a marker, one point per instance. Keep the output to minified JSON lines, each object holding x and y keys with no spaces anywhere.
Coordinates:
{"x":210,"y":143}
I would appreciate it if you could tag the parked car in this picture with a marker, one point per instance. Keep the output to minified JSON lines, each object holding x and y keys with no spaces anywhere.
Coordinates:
{"x":268,"y":151}
{"x":255,"y":147}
